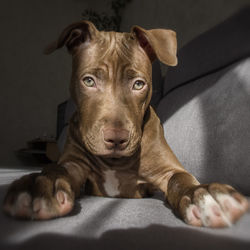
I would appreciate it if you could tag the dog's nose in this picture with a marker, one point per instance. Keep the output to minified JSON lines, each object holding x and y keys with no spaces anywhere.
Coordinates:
{"x":115,"y":138}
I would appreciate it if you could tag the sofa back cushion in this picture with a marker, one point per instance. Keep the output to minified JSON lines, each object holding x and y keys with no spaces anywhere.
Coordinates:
{"x":207,"y":124}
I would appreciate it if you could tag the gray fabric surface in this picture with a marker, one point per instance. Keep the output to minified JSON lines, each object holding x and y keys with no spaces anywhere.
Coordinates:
{"x":206,"y":123}
{"x":109,"y":223}
{"x":225,"y":43}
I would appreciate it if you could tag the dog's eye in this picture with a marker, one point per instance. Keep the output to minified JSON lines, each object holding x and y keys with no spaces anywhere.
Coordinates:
{"x":138,"y":85}
{"x":89,"y":81}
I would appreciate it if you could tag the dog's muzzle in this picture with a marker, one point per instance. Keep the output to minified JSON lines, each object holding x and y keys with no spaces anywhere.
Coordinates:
{"x":115,"y":139}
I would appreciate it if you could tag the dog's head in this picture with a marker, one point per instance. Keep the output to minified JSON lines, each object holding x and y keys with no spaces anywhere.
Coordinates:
{"x":112,"y":82}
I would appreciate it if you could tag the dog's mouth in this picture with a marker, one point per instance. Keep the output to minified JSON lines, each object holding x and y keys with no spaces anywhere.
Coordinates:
{"x":115,"y":153}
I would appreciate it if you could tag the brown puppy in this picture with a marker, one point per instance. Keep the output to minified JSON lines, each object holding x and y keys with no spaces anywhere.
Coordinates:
{"x":115,"y":145}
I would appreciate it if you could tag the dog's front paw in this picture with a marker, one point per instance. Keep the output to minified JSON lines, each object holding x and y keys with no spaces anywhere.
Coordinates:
{"x":37,"y":196}
{"x":213,"y":205}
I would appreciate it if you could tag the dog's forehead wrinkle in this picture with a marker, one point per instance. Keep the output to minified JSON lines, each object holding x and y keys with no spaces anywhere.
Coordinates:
{"x":118,"y":44}
{"x":106,"y":43}
{"x":116,"y":54}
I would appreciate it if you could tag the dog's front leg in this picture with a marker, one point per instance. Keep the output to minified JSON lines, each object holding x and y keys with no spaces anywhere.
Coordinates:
{"x":45,"y":195}
{"x":210,"y":205}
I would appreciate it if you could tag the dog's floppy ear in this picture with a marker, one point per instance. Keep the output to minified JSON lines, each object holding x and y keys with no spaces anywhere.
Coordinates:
{"x":73,"y":36}
{"x":158,"y":43}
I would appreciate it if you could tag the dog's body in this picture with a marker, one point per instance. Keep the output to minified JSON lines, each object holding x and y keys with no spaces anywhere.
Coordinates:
{"x":115,"y":145}
{"x":132,"y":176}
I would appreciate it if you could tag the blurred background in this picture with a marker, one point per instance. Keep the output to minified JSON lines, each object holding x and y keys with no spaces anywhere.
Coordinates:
{"x":32,"y":84}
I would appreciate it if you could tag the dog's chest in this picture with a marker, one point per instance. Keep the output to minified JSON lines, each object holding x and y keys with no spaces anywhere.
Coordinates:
{"x":111,"y":183}
{"x":115,"y":183}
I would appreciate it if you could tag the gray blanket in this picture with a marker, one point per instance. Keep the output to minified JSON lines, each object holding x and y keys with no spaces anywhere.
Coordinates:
{"x":107,"y":223}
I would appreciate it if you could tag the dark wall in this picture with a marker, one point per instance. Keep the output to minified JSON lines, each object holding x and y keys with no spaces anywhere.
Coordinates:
{"x":188,"y":18}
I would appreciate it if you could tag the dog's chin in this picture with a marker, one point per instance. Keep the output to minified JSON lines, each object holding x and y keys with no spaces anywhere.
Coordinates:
{"x":115,"y":153}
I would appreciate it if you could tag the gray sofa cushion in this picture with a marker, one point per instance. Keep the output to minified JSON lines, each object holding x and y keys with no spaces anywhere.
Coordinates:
{"x":206,"y":123}
{"x":109,"y":223}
